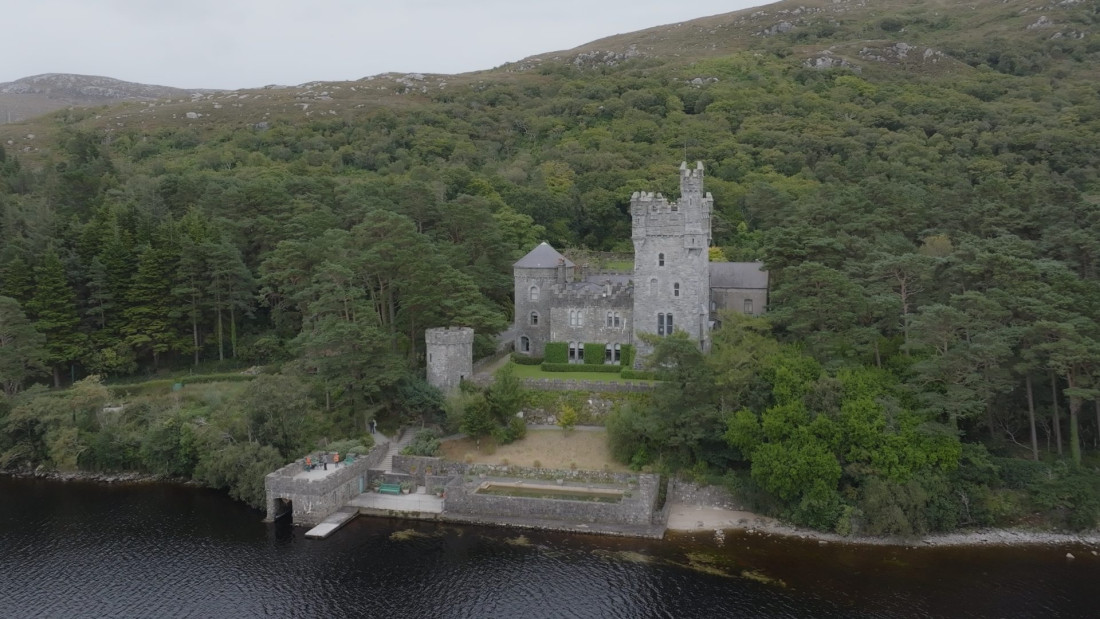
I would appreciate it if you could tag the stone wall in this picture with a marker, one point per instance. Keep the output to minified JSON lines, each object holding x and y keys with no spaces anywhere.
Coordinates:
{"x":634,"y":510}
{"x":313,"y":500}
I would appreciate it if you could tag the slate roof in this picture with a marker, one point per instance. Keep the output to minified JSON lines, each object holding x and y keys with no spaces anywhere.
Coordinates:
{"x":738,"y":275}
{"x":542,"y":257}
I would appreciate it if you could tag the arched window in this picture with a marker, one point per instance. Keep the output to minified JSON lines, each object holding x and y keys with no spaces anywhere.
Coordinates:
{"x":524,"y":344}
{"x":534,"y":319}
{"x":609,"y":319}
{"x":660,"y":260}
{"x":618,"y":354}
{"x":608,"y":351}
{"x":618,"y":320}
{"x":533,"y":294}
{"x":576,"y":318}
{"x":676,"y":289}
{"x":652,"y":285}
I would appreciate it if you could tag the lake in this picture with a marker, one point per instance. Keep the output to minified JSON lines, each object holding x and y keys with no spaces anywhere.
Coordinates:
{"x":163,"y":550}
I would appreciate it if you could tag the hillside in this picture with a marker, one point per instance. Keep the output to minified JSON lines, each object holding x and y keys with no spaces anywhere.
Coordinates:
{"x":38,"y":94}
{"x":921,"y":179}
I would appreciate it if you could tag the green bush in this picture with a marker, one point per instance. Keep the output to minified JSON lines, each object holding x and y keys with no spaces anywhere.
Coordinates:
{"x":360,"y":446}
{"x":510,"y":432}
{"x":1019,"y":474}
{"x":556,"y":352}
{"x":574,"y":367}
{"x":630,"y":374}
{"x":626,"y":355}
{"x":519,"y":359}
{"x":594,"y":353}
{"x":425,"y":443}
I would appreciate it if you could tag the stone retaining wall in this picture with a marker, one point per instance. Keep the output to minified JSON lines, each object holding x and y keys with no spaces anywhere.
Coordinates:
{"x":635,"y":509}
{"x":313,"y":500}
{"x":572,"y":384}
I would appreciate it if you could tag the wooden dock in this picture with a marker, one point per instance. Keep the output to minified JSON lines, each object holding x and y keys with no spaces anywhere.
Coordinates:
{"x":333,"y":523}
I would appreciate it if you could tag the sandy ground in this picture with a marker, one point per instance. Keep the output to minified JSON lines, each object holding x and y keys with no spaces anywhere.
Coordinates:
{"x":685,"y":517}
{"x":582,"y":448}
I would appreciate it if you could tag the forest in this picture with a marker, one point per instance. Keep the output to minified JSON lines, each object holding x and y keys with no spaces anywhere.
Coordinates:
{"x":930,"y":357}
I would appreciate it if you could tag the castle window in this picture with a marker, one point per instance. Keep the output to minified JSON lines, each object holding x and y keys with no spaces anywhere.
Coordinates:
{"x":608,"y":354}
{"x":524,"y":344}
{"x":653,"y":285}
{"x":618,"y":320}
{"x":664,"y":324}
{"x":572,"y":352}
{"x":534,"y":293}
{"x":660,"y":260}
{"x":609,"y":319}
{"x":676,"y":289}
{"x":618,"y":354}
{"x":534,"y":319}
{"x":675,"y":206}
{"x":748,"y":306}
{"x":576,"y":318}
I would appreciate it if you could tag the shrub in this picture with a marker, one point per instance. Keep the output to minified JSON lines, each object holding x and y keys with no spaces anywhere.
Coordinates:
{"x":519,"y":359}
{"x":573,"y":367}
{"x":556,"y":352}
{"x":626,"y":355}
{"x":425,"y":443}
{"x":594,"y":353}
{"x":1020,"y":474}
{"x":510,"y":432}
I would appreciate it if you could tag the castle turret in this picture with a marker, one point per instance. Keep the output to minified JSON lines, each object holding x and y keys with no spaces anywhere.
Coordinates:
{"x":536,"y":276}
{"x":671,"y":273}
{"x":450,"y":356}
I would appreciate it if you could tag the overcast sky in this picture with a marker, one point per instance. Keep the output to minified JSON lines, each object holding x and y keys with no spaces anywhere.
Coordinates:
{"x":249,"y":43}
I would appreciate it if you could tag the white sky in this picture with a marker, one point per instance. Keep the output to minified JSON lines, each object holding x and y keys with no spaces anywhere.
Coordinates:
{"x":249,"y":43}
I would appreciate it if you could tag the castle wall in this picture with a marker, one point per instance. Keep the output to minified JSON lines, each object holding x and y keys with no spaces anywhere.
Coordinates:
{"x":734,"y":299}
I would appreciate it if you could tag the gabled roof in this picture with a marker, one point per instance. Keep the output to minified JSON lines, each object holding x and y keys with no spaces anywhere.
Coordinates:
{"x":738,"y":275}
{"x":542,"y":257}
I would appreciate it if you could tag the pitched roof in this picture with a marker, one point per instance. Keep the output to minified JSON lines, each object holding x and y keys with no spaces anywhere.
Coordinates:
{"x":542,"y":257}
{"x":738,"y":275}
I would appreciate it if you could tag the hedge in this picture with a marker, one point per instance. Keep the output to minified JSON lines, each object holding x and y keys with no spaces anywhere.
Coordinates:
{"x":626,"y":355}
{"x":519,"y":359}
{"x":594,"y":353}
{"x":556,"y":352}
{"x":638,"y":374}
{"x":574,"y":367}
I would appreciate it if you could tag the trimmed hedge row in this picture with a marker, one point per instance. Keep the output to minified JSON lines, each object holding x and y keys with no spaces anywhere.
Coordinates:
{"x":556,"y":352}
{"x":574,"y":367}
{"x":626,"y":355}
{"x":594,"y":353}
{"x":638,"y":374}
{"x":519,"y":359}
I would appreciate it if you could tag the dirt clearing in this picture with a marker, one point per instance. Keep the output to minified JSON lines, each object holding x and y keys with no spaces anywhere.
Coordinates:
{"x":550,"y":449}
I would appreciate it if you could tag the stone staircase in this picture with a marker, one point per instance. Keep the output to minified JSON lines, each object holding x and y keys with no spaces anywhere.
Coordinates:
{"x":396,"y":445}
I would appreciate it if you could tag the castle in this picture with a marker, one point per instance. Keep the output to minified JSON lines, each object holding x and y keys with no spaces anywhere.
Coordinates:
{"x":674,"y":285}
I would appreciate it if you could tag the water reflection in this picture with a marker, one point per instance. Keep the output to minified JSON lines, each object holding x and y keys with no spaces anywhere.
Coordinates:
{"x":82,"y":550}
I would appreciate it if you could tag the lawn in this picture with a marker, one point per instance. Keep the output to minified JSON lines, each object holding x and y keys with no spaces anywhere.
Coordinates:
{"x":534,"y":371}
{"x":584,"y":449}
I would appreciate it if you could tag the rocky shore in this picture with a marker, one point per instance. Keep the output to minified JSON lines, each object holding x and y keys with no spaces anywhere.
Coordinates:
{"x":691,"y":518}
{"x":88,"y":476}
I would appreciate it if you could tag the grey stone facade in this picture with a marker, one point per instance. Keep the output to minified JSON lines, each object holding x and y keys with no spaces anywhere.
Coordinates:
{"x":670,"y":287}
{"x":450,"y":353}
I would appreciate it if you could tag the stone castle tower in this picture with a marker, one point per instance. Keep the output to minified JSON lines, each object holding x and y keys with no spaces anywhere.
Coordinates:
{"x":450,"y":356}
{"x":671,"y":260}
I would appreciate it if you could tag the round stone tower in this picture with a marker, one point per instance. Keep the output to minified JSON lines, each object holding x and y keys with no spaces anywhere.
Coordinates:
{"x":450,"y":356}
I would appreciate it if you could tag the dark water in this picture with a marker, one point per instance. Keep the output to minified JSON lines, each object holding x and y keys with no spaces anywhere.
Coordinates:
{"x":84,"y":550}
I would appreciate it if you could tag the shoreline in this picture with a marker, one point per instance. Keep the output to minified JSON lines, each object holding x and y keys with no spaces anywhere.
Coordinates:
{"x":686,"y":518}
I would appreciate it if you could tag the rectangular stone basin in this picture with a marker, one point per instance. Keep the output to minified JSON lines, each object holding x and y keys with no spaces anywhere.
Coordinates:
{"x":543,"y":491}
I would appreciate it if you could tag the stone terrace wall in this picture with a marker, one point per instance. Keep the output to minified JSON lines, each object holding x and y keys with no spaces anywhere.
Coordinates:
{"x":314,"y":500}
{"x":636,"y":509}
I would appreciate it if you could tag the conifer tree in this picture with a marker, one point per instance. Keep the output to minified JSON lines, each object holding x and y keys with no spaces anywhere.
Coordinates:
{"x":53,"y":307}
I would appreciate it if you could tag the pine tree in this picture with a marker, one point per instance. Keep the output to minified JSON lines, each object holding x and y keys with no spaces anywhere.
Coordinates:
{"x":53,"y":308}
